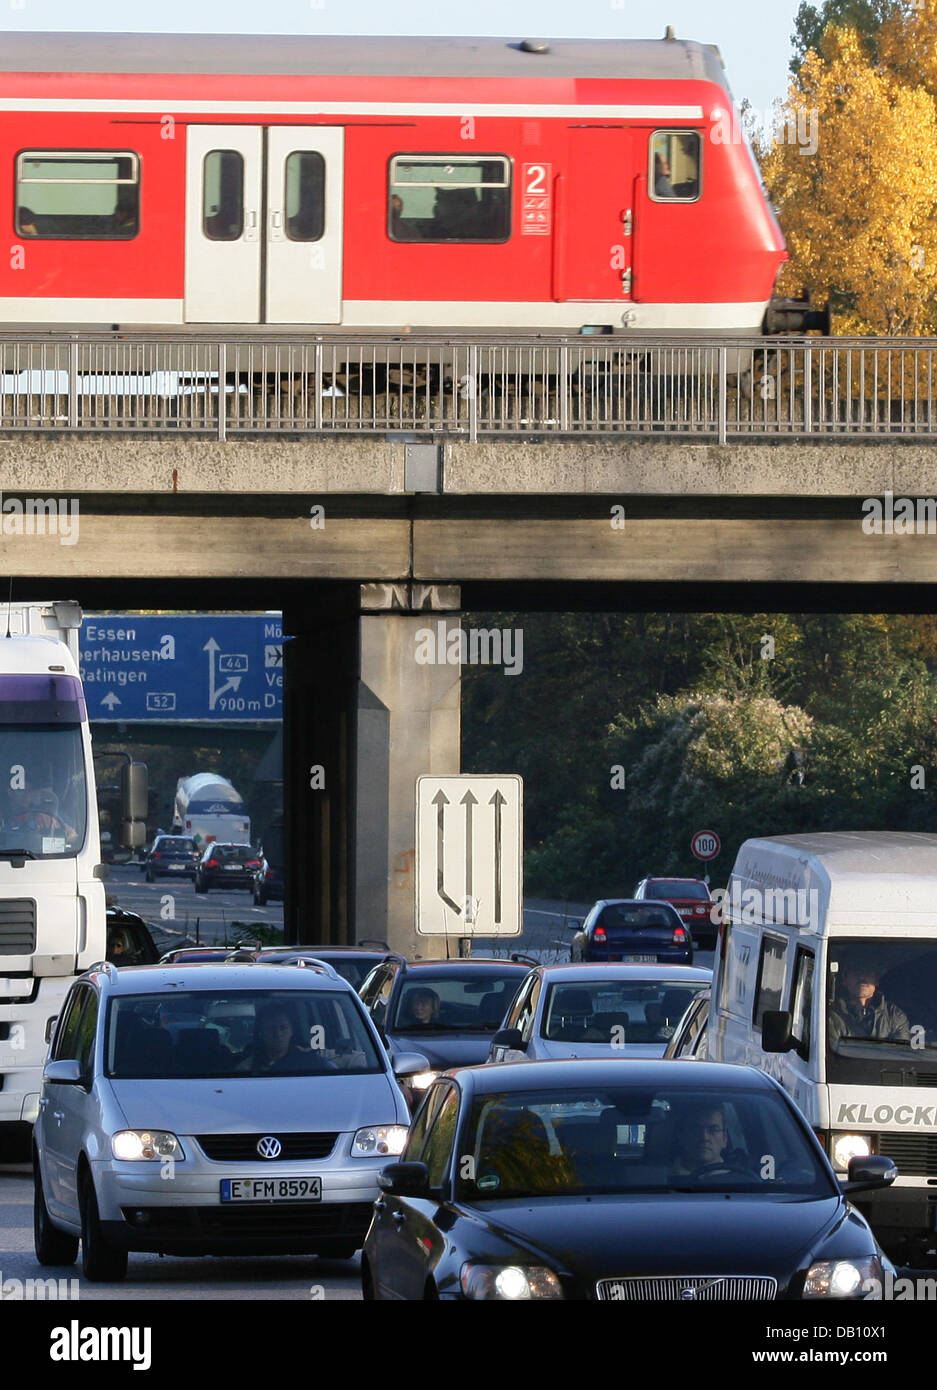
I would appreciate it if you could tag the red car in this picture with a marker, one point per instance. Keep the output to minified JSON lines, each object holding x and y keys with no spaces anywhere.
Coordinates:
{"x":692,"y":899}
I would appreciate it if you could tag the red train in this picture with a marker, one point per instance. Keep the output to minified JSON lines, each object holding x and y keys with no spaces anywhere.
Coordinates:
{"x":363,"y":185}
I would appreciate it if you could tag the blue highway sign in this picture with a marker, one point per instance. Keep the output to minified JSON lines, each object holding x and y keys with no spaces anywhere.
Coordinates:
{"x":172,"y":668}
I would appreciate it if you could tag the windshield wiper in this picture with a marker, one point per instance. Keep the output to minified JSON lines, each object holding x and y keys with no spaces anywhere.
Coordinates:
{"x":17,"y":854}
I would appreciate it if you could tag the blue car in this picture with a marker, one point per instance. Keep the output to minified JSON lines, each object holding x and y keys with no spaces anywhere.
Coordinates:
{"x":623,"y":929}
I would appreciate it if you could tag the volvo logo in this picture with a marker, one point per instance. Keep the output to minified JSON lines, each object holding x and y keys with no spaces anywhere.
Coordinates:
{"x":692,"y":1291}
{"x":269,"y":1147}
{"x":688,"y":1294}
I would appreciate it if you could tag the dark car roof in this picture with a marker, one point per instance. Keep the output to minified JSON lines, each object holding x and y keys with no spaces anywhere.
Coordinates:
{"x":468,"y":968}
{"x":632,"y":1071}
{"x":144,"y":979}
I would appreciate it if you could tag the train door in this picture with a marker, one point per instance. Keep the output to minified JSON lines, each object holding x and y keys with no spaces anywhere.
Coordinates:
{"x":224,"y":205}
{"x":264,"y":224}
{"x":304,"y":224}
{"x":595,"y":216}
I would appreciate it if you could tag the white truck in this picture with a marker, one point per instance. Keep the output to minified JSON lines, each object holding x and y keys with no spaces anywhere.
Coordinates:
{"x":208,"y":807}
{"x":52,"y":903}
{"x":826,"y":978}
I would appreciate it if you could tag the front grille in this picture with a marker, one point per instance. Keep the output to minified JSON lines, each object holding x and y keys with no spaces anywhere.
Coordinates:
{"x":17,"y":926}
{"x":690,"y":1288}
{"x":269,"y":1220}
{"x":242,"y":1148}
{"x":915,"y":1154}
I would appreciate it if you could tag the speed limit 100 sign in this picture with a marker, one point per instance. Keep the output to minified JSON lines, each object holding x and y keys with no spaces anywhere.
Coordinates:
{"x":705,"y":844}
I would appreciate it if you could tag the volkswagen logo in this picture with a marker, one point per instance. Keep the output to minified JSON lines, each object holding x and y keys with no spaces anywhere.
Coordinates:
{"x":269,"y":1147}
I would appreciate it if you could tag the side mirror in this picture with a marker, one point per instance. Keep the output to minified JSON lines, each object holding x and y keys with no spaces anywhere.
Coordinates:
{"x":869,"y":1170}
{"x":409,"y":1063}
{"x":63,"y":1073}
{"x":509,"y":1037}
{"x":405,"y":1179}
{"x":134,"y":804}
{"x":776,"y":1034}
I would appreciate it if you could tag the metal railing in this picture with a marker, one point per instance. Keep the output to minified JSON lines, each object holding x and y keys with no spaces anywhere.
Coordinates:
{"x":762,"y":389}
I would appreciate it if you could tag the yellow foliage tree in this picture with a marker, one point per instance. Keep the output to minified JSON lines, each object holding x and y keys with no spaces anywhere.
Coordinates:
{"x":860,"y":211}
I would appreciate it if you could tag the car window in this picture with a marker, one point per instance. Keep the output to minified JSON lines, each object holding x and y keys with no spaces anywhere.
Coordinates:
{"x":382,"y":997}
{"x":519,"y":1005}
{"x":128,"y":943}
{"x":239,"y":1033}
{"x":526,"y":1021}
{"x":770,"y":985}
{"x":802,"y":1000}
{"x":433,"y":1001}
{"x":68,"y":1028}
{"x":423,"y":1120}
{"x":87,"y":1028}
{"x":438,"y":1146}
{"x":677,"y":888}
{"x":616,"y":1011}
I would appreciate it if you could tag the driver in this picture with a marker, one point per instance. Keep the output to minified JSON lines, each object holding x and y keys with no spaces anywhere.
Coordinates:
{"x":702,"y":1139}
{"x":38,"y":810}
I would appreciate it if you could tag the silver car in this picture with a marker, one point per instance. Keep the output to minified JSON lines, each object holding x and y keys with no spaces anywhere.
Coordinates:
{"x":212,"y":1109}
{"x":596,"y":1011}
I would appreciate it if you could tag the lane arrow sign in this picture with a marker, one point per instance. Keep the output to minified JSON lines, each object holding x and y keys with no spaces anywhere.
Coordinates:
{"x":497,"y":801}
{"x":469,"y":802}
{"x":441,"y":801}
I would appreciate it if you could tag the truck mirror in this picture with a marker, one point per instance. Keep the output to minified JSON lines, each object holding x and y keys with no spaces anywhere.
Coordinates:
{"x":134,"y":793}
{"x":133,"y":834}
{"x":776,"y":1034}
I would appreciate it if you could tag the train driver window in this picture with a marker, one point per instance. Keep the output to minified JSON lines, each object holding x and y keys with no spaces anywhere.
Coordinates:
{"x":223,"y":195}
{"x":73,"y":195}
{"x":674,"y":174}
{"x":305,"y":195}
{"x":454,"y":198}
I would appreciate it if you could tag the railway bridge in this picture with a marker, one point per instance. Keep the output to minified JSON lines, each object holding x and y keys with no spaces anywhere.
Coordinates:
{"x":377,"y":489}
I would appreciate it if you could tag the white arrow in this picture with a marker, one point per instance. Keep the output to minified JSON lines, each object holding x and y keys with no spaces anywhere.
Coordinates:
{"x":232,"y":683}
{"x":110,"y":700}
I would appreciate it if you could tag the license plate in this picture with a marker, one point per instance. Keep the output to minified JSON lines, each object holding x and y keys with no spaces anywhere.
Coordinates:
{"x":271,"y":1189}
{"x":642,"y":960}
{"x":177,"y":866}
{"x":233,"y":868}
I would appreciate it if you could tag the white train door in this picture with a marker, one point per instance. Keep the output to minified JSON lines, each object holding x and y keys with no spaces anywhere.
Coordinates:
{"x":264,"y":224}
{"x":305,"y":172}
{"x":224,"y":207}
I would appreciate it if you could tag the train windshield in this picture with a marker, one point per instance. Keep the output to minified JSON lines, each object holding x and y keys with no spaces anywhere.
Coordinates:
{"x":43,"y":783}
{"x":881,"y":1010}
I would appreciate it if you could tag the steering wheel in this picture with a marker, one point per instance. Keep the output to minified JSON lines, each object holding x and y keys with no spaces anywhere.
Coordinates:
{"x":722,"y":1166}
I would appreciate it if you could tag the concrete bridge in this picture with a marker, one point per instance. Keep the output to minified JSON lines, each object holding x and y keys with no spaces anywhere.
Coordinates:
{"x":449,"y":490}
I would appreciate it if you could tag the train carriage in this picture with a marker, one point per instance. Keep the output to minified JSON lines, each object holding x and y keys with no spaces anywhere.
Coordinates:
{"x":379,"y":186}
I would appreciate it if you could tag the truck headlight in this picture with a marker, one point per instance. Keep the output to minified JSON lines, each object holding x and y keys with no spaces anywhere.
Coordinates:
{"x":511,"y":1282}
{"x":152,"y":1145}
{"x":379,"y":1141}
{"x":847,"y":1146}
{"x":842,"y":1278}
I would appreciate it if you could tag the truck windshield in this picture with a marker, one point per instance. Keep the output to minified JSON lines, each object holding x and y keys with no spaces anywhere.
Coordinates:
{"x":43,"y":787}
{"x":881,"y":1010}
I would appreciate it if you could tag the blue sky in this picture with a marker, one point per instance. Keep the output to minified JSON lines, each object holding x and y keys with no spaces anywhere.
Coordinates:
{"x":754,"y":39}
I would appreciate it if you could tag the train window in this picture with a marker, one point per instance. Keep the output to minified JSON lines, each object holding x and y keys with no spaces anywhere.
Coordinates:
{"x":674,"y":174}
{"x":72,"y":195}
{"x":305,"y":195}
{"x":223,"y":195}
{"x":452,"y":198}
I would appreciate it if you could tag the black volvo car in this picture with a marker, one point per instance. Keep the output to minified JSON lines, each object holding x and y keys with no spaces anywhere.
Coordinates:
{"x":621,"y":1180}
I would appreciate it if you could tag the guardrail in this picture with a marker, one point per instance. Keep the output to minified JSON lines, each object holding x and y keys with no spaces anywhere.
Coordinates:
{"x":758,"y":389}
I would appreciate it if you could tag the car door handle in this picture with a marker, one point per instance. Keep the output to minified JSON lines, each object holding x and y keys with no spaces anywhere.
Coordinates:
{"x":380,"y":1206}
{"x":58,"y":1114}
{"x":399,"y":1217}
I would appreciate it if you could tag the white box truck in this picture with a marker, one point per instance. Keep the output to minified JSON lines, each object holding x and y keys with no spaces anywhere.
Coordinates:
{"x":52,"y":904}
{"x":826,"y":978}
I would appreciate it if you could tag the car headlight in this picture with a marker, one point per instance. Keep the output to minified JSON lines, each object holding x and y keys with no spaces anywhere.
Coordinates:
{"x":379,"y":1141}
{"x":151,"y":1145}
{"x":513,"y":1282}
{"x":847,"y":1146}
{"x":421,"y":1079}
{"x":842,"y":1278}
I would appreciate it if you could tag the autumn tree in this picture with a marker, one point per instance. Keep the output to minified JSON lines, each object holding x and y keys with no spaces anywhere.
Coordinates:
{"x":866,"y":17}
{"x":858,"y":205}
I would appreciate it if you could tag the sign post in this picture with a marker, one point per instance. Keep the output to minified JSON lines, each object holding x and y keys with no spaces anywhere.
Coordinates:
{"x":469,"y":856}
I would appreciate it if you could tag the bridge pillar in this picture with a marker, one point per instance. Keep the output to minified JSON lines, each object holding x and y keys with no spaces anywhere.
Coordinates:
{"x":408,"y":723}
{"x":363,"y":718}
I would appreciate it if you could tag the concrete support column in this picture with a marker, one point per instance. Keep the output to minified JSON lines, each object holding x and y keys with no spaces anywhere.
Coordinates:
{"x":408,"y":724}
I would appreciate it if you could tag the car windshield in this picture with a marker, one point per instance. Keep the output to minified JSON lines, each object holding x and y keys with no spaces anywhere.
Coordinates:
{"x":44,"y":797}
{"x":881,"y":1001}
{"x":629,"y":1139}
{"x":616,"y":1012}
{"x":234,"y":854}
{"x":677,"y":888}
{"x":629,"y":915}
{"x":473,"y":1003}
{"x":195,"y":1033}
{"x":164,"y":846}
